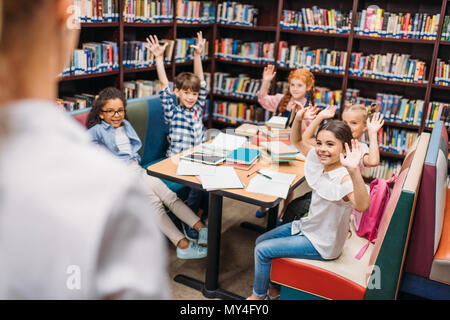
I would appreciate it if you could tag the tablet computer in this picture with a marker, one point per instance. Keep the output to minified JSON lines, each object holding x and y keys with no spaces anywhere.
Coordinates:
{"x":203,"y":158}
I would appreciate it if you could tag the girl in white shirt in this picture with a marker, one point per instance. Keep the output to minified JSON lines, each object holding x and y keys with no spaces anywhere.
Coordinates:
{"x":332,"y":171}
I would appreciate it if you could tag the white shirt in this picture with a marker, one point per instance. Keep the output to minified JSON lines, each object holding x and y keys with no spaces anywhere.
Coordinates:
{"x":327,"y":222}
{"x":122,"y":140}
{"x":74,"y":222}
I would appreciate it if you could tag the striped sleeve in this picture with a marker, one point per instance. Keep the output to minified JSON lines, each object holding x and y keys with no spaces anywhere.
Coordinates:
{"x":167,"y":103}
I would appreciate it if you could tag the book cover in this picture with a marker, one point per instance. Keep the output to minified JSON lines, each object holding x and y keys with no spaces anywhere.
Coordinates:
{"x":244,"y":156}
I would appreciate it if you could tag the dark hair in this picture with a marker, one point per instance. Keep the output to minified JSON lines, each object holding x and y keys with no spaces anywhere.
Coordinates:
{"x":102,"y":98}
{"x":340,"y":129}
{"x":186,"y":81}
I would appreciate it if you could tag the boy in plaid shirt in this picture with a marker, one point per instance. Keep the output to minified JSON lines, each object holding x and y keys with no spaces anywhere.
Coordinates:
{"x":185,"y":117}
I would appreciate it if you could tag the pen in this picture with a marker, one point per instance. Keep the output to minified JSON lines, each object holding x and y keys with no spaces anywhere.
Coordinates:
{"x":264,"y":175}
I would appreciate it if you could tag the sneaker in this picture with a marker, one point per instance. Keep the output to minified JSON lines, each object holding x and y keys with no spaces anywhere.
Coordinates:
{"x":203,"y":237}
{"x":194,"y":251}
{"x":190,"y":233}
{"x":260,"y":214}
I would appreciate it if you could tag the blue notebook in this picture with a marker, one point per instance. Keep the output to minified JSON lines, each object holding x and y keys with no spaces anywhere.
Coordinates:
{"x":243,"y":156}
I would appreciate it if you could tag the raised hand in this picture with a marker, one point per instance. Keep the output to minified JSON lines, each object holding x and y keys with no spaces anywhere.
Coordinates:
{"x":376,"y":123}
{"x":327,"y":113}
{"x":268,"y":73}
{"x":352,"y":157}
{"x":308,"y":113}
{"x":155,"y":47}
{"x":199,"y":48}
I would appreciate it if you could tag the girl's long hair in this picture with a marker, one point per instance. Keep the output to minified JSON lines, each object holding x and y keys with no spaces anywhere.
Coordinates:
{"x":340,"y":129}
{"x":102,"y":98}
{"x":308,"y":79}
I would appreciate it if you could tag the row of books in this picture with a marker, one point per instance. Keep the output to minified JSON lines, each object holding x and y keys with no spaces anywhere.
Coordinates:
{"x":241,"y":86}
{"x":93,"y":57}
{"x":438,"y":111}
{"x":231,"y":12}
{"x":316,"y":19}
{"x":446,"y":29}
{"x":396,"y":140}
{"x":141,"y":88}
{"x":238,"y":112}
{"x":148,"y":11}
{"x":399,"y":109}
{"x":77,"y":102}
{"x":194,"y":12}
{"x":384,"y":170}
{"x":247,"y":52}
{"x":442,"y":75}
{"x":184,"y":51}
{"x":377,"y":22}
{"x":91,"y":11}
{"x":322,"y":60}
{"x":389,"y":66}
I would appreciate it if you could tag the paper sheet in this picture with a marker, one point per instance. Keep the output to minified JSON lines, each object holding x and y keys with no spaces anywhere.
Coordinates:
{"x":190,"y":168}
{"x":278,"y":186}
{"x":223,"y":178}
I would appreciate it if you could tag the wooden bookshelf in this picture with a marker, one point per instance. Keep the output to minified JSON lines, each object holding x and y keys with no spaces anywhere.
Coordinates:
{"x":269,"y":29}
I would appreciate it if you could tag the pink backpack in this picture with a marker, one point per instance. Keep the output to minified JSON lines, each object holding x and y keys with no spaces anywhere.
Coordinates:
{"x":367,"y":223}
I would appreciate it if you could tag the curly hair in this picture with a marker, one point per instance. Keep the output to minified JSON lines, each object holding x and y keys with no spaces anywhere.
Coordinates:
{"x":366,"y":111}
{"x":106,"y":94}
{"x":308,"y":79}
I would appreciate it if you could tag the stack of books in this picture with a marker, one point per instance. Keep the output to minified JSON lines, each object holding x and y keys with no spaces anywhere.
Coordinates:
{"x":247,"y":129}
{"x":275,"y":134}
{"x":277,"y":122}
{"x":279,"y":151}
{"x":242,"y":158}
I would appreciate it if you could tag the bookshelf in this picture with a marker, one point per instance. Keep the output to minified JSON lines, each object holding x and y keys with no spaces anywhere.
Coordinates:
{"x":269,"y":26}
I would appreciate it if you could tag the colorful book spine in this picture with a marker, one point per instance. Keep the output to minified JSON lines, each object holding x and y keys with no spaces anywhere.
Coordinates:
{"x":379,"y":23}
{"x":319,"y":60}
{"x":438,"y":111}
{"x":195,"y":12}
{"x":446,"y":29}
{"x":395,"y":140}
{"x":148,"y":11}
{"x":316,"y":20}
{"x":442,"y":74}
{"x":184,"y":52}
{"x":238,"y":112}
{"x":246,"y":52}
{"x":95,"y":11}
{"x":384,"y":170}
{"x":390,"y":66}
{"x":241,"y":86}
{"x":234,"y":13}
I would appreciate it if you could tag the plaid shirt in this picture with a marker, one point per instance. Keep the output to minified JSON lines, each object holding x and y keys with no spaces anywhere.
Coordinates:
{"x":186,"y":128}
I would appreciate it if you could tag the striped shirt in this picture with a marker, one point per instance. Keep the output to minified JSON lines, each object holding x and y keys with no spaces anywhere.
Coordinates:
{"x":186,"y":128}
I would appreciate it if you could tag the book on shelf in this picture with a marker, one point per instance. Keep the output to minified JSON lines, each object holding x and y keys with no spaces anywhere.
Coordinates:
{"x":277,"y":122}
{"x":446,"y":29}
{"x":93,"y":57}
{"x":234,"y":13}
{"x":195,"y":12}
{"x":394,"y":140}
{"x":183,"y":51}
{"x":377,"y":22}
{"x":76,"y":102}
{"x":316,"y":19}
{"x":237,"y":112}
{"x":97,"y":11}
{"x":246,"y":52}
{"x":136,"y":54}
{"x":241,"y":86}
{"x":389,"y":66}
{"x":319,"y":60}
{"x":148,"y":11}
{"x":437,"y":111}
{"x":442,"y":74}
{"x":384,"y":170}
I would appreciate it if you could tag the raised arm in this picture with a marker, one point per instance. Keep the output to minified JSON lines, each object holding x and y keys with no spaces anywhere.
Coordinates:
{"x":198,"y":51}
{"x":372,"y":159}
{"x":308,"y":134}
{"x":359,"y":197}
{"x":308,"y":113}
{"x":158,"y":52}
{"x":267,"y":78}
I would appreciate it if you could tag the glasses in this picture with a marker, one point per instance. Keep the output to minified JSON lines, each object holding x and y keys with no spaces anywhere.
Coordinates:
{"x":112,"y":113}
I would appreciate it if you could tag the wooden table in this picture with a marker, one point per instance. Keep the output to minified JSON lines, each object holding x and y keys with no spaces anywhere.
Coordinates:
{"x":167,"y":169}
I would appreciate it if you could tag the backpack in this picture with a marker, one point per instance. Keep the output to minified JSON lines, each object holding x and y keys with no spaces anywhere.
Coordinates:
{"x":367,"y":223}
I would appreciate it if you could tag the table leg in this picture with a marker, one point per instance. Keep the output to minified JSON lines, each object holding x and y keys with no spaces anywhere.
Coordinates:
{"x":210,"y":287}
{"x":271,"y":222}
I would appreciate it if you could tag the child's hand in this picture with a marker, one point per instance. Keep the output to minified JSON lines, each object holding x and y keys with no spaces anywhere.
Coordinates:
{"x":327,"y":113}
{"x":375,"y":124}
{"x":353,"y":157}
{"x":269,"y":73}
{"x":308,"y":113}
{"x":200,"y":47}
{"x":155,"y":47}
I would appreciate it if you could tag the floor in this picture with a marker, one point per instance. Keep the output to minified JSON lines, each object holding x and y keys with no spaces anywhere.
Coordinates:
{"x":236,"y":260}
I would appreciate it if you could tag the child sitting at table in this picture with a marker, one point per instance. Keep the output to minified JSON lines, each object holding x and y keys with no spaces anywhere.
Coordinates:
{"x":185,"y":116}
{"x":108,"y":127}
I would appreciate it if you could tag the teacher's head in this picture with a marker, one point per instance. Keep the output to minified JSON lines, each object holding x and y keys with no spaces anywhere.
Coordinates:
{"x":37,"y":38}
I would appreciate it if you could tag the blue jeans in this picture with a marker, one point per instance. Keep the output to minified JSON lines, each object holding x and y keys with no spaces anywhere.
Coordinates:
{"x":278,"y":243}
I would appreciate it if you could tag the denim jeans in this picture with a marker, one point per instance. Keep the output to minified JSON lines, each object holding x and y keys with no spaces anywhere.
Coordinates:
{"x":278,"y":243}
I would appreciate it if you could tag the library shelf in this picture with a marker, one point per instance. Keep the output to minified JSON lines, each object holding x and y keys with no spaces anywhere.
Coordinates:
{"x":440,"y":87}
{"x":99,"y":24}
{"x":315,"y":34}
{"x":194,"y":25}
{"x":386,"y":39}
{"x":89,"y":76}
{"x":147,"y":25}
{"x":389,"y":82}
{"x":243,"y":64}
{"x":445,"y":43}
{"x":191,"y":62}
{"x":248,"y":28}
{"x":234,"y":98}
{"x":316,"y":73}
{"x":388,"y":154}
{"x":402,"y":125}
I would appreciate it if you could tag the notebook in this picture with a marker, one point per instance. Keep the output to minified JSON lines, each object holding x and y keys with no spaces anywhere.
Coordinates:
{"x":243,"y":156}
